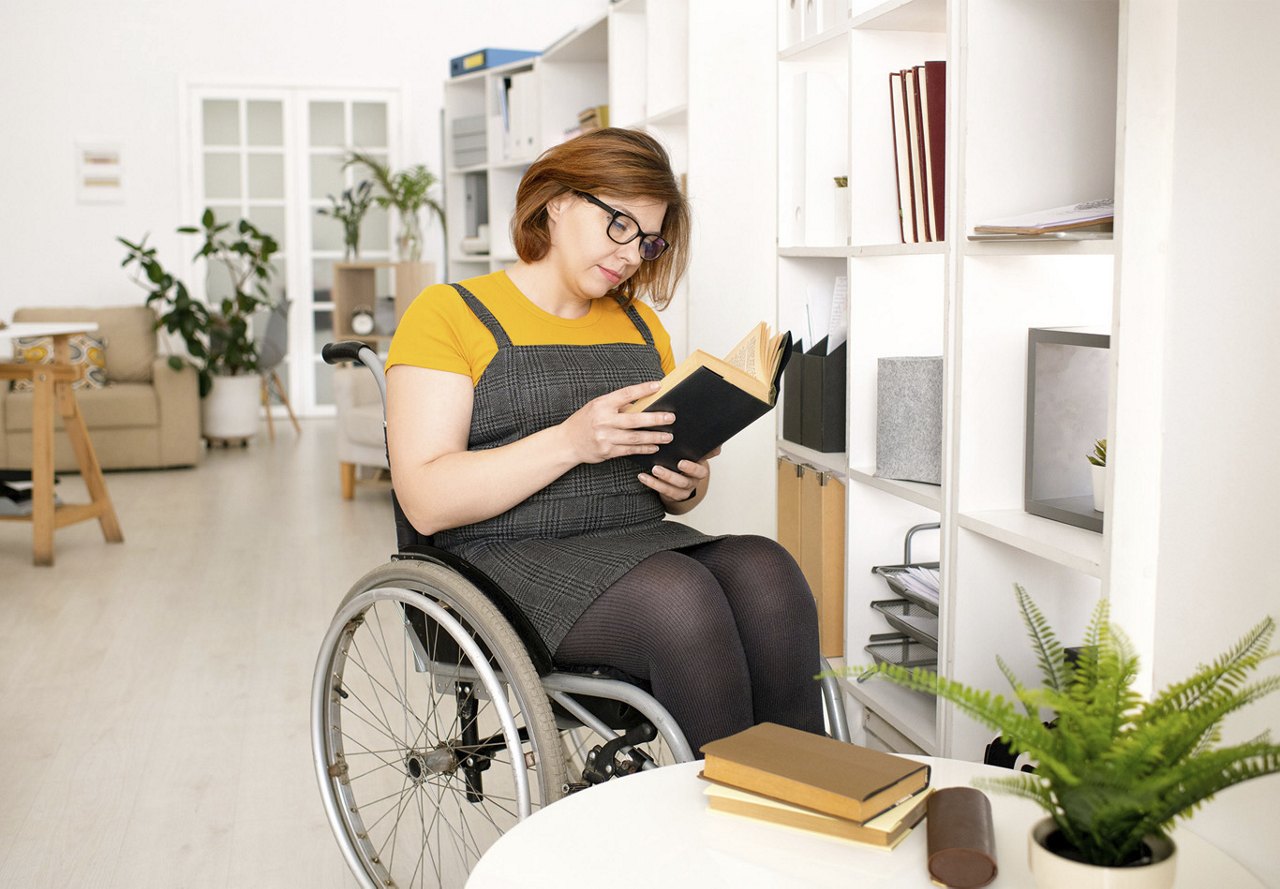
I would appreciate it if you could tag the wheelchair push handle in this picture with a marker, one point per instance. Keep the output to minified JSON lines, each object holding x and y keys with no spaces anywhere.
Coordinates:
{"x":354,"y":350}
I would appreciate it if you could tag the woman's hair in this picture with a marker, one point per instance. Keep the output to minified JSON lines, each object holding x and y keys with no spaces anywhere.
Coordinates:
{"x":626,"y":164}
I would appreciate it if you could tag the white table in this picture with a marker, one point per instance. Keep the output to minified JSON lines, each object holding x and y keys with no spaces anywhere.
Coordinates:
{"x":53,"y":397}
{"x":653,"y":829}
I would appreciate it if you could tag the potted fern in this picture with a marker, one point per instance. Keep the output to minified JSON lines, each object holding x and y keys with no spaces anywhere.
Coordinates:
{"x":1114,"y":771}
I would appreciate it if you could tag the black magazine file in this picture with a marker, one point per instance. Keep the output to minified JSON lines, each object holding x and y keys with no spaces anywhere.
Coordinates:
{"x":823,"y":407}
{"x":793,"y":395}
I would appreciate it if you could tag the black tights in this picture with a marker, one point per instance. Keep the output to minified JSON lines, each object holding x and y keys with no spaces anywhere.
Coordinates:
{"x":726,"y":634}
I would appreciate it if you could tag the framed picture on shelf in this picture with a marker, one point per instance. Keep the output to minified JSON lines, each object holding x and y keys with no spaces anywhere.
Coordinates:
{"x":1068,"y":378}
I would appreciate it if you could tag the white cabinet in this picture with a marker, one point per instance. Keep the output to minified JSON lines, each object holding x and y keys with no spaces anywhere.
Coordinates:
{"x":1031,"y":123}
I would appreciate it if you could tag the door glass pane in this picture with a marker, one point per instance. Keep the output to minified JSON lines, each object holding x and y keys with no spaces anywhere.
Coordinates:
{"x":328,"y":128}
{"x":324,"y":383}
{"x":266,"y":176}
{"x":269,"y":220}
{"x":326,"y":176}
{"x":217,"y":283}
{"x":279,"y":276}
{"x":326,"y":234}
{"x":369,"y":124}
{"x":322,"y":280}
{"x":221,"y":213}
{"x":221,"y":122}
{"x":265,"y":123}
{"x":323,"y":328}
{"x":221,"y":176}
{"x":373,"y":230}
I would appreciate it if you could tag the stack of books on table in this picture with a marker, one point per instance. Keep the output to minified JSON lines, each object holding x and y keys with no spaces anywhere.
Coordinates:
{"x":815,"y":783}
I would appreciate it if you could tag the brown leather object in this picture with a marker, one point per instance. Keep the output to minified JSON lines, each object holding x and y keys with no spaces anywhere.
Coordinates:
{"x":962,"y":841}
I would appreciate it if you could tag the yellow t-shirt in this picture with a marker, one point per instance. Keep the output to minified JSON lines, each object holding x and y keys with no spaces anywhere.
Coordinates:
{"x":440,"y":332}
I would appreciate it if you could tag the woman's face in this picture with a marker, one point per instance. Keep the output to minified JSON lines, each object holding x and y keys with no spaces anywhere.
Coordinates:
{"x":590,"y":262}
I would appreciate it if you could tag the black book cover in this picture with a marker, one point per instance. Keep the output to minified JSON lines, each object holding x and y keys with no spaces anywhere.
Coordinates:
{"x":709,"y":411}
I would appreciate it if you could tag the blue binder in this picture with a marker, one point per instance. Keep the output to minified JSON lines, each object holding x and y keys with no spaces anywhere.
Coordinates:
{"x":487,"y":58}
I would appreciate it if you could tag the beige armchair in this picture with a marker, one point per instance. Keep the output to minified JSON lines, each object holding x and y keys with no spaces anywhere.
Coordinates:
{"x":148,"y":414}
{"x":361,"y":441}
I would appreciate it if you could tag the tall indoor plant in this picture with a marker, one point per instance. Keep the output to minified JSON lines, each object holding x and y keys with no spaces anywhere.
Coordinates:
{"x":1114,"y":771}
{"x":409,"y":192}
{"x":219,"y":337}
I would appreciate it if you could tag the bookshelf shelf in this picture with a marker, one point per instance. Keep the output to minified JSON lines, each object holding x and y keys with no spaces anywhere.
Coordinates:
{"x":1055,"y":542}
{"x":928,"y":496}
{"x":911,"y":713}
{"x":904,"y":15}
{"x":930,"y":248}
{"x":830,"y":44}
{"x":835,"y":463}
{"x":814,"y":252}
{"x":1042,"y":246}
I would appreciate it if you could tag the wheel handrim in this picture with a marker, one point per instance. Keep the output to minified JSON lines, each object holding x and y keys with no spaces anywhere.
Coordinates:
{"x":398,"y":765}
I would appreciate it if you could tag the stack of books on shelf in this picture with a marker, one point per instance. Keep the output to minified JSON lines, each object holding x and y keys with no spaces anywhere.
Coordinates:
{"x":811,"y":782}
{"x":918,"y":105}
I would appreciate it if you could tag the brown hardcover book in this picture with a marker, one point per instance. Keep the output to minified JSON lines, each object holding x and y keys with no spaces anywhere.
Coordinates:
{"x":933,"y":100}
{"x":886,"y":830}
{"x":813,"y":771}
{"x":901,"y":157}
{"x":915,"y":147}
{"x":716,"y":398}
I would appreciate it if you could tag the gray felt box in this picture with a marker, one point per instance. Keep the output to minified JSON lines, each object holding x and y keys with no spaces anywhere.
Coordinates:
{"x":909,"y":419}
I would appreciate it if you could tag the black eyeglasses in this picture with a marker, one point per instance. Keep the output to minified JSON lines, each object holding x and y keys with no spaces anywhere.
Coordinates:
{"x":623,"y":230}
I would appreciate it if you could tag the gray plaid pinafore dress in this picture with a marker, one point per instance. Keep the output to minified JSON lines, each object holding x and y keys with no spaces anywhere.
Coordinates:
{"x":559,"y":549}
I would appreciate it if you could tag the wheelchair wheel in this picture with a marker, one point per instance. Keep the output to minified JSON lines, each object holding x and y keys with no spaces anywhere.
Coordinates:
{"x":430,"y":730}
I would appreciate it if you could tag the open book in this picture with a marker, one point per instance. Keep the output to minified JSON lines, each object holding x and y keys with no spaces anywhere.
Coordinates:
{"x":716,"y":398}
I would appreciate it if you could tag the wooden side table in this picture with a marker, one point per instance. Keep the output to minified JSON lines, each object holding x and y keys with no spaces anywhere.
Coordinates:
{"x":54,"y":396}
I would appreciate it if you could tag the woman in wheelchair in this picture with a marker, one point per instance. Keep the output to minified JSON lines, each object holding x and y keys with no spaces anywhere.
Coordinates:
{"x":505,"y":425}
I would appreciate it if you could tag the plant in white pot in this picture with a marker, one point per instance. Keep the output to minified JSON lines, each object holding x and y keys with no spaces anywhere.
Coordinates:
{"x":1098,"y":469}
{"x":219,"y":337}
{"x":1113,"y":770}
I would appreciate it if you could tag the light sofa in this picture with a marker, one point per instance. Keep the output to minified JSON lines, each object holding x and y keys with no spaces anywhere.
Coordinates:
{"x":148,"y":414}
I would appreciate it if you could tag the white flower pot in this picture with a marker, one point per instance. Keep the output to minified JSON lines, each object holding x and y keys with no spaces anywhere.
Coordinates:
{"x":230,"y":410}
{"x":1098,"y":475}
{"x":1052,"y":871}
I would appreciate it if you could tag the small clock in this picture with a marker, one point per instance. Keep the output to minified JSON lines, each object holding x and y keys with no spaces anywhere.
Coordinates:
{"x":362,"y":321}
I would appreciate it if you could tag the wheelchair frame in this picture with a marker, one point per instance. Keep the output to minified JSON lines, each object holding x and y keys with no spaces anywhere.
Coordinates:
{"x":477,"y":619}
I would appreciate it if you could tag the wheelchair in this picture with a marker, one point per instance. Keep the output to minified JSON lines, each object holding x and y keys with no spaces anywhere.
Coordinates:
{"x":439,"y":719}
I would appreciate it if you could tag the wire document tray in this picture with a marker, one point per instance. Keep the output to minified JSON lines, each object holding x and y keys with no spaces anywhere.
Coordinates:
{"x":906,"y":580}
{"x":915,"y":620}
{"x":900,"y":649}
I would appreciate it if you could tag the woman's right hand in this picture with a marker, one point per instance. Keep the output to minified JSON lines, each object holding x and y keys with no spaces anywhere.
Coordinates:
{"x":600,"y":430}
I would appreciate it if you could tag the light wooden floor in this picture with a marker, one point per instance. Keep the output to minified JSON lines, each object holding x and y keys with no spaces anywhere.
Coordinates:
{"x":155,"y":693}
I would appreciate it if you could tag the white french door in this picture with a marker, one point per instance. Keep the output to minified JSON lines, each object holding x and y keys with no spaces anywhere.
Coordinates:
{"x":274,"y":156}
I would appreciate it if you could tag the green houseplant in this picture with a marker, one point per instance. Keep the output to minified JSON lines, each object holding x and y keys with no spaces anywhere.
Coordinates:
{"x":350,"y":211}
{"x":409,"y":192}
{"x":1098,"y":473}
{"x":218,"y":338}
{"x":1114,"y":769}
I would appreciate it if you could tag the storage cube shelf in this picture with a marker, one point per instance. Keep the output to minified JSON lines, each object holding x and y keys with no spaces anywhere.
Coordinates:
{"x":1014,"y":143}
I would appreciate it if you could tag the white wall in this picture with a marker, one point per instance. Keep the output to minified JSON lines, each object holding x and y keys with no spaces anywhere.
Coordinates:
{"x":74,"y":69}
{"x":1221,"y":476}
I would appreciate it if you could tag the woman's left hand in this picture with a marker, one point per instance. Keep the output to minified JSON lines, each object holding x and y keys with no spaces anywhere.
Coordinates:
{"x":680,"y":487}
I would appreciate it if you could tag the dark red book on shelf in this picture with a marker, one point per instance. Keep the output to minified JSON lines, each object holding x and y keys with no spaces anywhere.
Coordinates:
{"x":931,"y":77}
{"x":901,"y":157}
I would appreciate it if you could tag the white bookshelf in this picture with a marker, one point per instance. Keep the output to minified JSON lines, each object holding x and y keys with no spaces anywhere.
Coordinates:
{"x":527,"y":106}
{"x":1014,"y":143}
